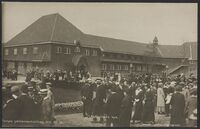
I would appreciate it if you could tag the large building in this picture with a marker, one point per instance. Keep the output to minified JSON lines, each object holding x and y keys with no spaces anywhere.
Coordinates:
{"x":53,"y":43}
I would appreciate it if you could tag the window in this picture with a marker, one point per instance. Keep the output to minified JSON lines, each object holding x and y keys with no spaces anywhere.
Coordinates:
{"x":126,"y":67}
{"x":77,"y":49}
{"x":118,"y":67}
{"x":35,"y":50}
{"x":149,"y":68}
{"x":112,"y":67}
{"x":87,"y":52}
{"x":59,"y":50}
{"x":133,"y":67}
{"x":104,"y":67}
{"x":6,"y":52}
{"x":144,"y":68}
{"x":118,"y":56}
{"x":139,"y":68}
{"x":94,"y":53}
{"x":67,"y":50}
{"x":15,"y":51}
{"x":110,"y":55}
{"x":24,"y":51}
{"x":192,"y":62}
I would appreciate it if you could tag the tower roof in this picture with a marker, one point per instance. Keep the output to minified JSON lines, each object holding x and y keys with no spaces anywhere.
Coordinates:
{"x":155,"y":40}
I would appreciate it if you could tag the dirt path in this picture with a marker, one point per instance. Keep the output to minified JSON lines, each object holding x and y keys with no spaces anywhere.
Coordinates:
{"x":77,"y":120}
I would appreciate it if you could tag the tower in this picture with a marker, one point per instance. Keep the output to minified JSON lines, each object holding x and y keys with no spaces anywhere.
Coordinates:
{"x":155,"y":41}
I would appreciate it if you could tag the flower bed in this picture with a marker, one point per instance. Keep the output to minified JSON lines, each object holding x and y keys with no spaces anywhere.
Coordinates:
{"x":71,"y":107}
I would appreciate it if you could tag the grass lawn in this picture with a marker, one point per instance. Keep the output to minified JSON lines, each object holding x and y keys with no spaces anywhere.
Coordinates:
{"x":63,"y":95}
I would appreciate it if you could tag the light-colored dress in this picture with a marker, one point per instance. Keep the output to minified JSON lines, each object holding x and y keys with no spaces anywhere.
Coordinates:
{"x":160,"y":97}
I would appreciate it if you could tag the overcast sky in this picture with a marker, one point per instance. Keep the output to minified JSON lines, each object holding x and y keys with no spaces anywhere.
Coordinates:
{"x":172,"y":23}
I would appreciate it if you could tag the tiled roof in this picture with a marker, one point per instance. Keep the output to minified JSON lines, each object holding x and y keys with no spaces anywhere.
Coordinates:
{"x":55,"y":28}
{"x":116,"y":45}
{"x":171,"y":51}
{"x":51,"y":27}
{"x":39,"y":31}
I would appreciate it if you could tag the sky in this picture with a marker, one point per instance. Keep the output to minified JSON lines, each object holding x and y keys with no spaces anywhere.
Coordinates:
{"x":172,"y":23}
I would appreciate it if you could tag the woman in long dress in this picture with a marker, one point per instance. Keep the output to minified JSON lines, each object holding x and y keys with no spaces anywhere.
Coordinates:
{"x":139,"y":96}
{"x":160,"y":99}
{"x":178,"y":107}
{"x":148,"y":113}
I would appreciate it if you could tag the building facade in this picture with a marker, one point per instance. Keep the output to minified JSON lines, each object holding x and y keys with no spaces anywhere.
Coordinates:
{"x":53,"y":43}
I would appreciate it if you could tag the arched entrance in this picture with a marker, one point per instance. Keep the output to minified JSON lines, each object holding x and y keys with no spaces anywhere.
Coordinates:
{"x":80,"y":63}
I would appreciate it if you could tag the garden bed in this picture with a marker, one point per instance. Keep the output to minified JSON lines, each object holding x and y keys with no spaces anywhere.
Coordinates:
{"x":69,"y":108}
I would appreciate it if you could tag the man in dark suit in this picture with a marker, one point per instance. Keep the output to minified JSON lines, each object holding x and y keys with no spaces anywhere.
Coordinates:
{"x":99,"y":101}
{"x":27,"y":105}
{"x":126,"y":109}
{"x":12,"y":107}
{"x":113,"y":108}
{"x":86,"y":94}
{"x":178,"y":106}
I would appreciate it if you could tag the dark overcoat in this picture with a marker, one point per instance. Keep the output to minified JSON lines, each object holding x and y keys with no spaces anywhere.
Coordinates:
{"x":113,"y":104}
{"x":27,"y":108}
{"x":138,"y":106}
{"x":148,"y":111}
{"x":98,"y":104}
{"x":126,"y":111}
{"x":177,"y":111}
{"x":11,"y":109}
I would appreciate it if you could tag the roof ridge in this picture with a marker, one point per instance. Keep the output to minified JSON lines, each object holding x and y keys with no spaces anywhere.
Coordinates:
{"x":70,"y":23}
{"x":160,"y":52}
{"x":116,"y":39}
{"x":54,"y":26}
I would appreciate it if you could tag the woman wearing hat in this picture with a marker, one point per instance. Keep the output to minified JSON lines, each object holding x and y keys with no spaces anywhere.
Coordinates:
{"x":160,"y":99}
{"x":47,"y":106}
{"x":139,"y":96}
{"x":148,"y":113}
{"x":177,"y":108}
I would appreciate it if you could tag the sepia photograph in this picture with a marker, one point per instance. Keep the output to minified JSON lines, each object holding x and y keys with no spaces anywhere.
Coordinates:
{"x":79,"y":64}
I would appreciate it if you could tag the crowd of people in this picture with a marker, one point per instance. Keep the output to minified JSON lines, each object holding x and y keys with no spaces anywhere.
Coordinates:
{"x":28,"y":103}
{"x":10,"y":74}
{"x":122,"y":101}
{"x":116,"y":100}
{"x":40,"y":74}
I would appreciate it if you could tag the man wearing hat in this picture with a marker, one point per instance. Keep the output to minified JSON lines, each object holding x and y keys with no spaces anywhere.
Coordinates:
{"x":99,"y":100}
{"x":112,"y":108}
{"x":47,"y":113}
{"x":86,"y":94}
{"x":12,"y":106}
{"x":51,"y":99}
{"x":126,"y":109}
{"x":186,"y":93}
{"x":27,"y":105}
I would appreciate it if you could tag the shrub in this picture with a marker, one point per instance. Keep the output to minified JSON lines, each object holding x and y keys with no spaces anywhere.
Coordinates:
{"x":71,"y":107}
